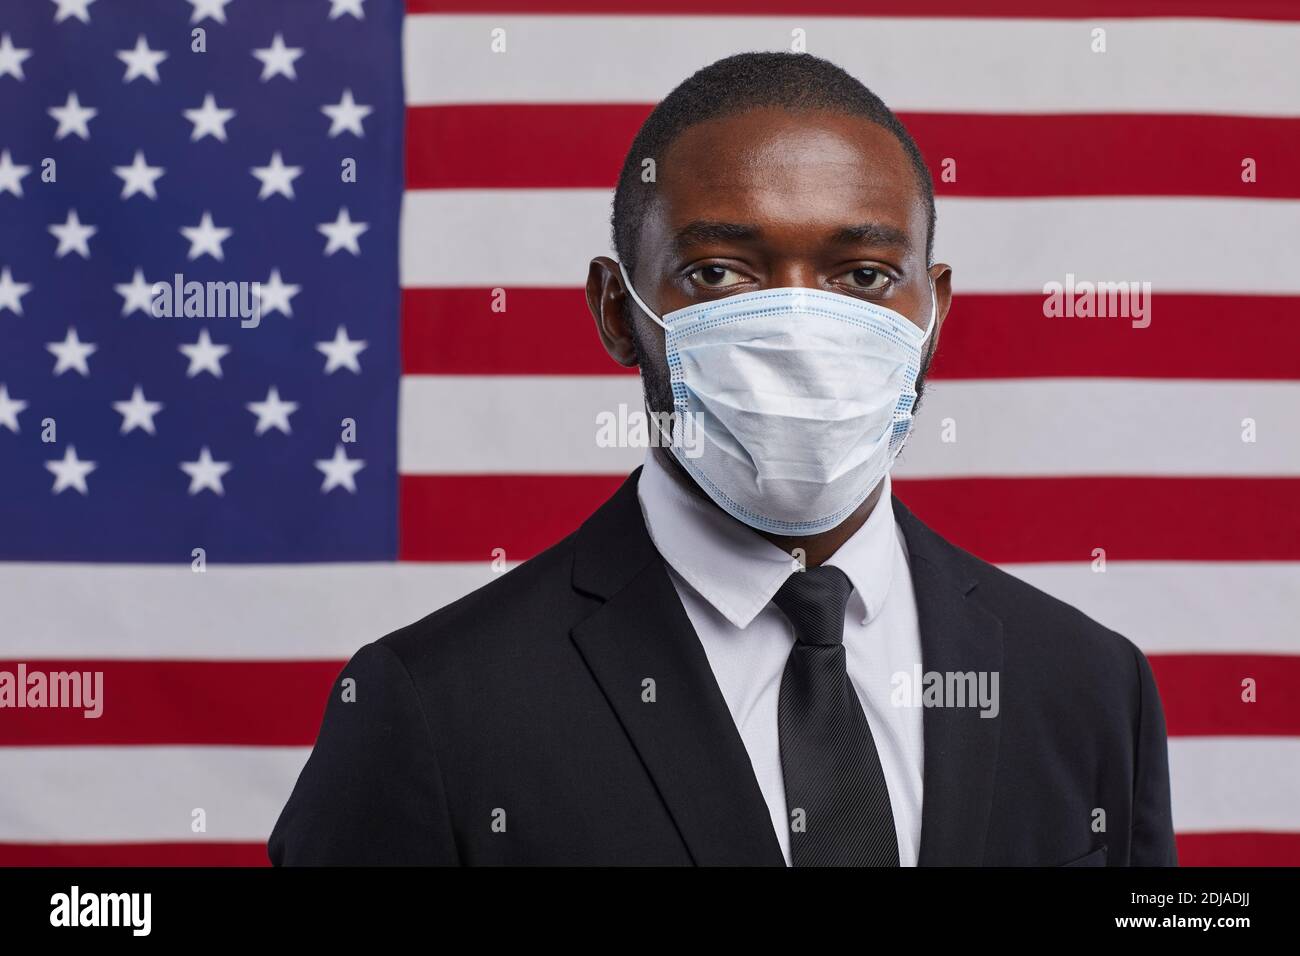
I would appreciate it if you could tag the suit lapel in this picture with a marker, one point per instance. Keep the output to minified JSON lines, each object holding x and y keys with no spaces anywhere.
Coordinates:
{"x":957,"y":635}
{"x":686,"y":737}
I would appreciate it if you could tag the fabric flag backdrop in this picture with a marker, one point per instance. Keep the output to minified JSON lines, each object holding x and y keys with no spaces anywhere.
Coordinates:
{"x":184,"y":509}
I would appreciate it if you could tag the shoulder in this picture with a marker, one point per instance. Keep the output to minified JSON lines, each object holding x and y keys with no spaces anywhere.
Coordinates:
{"x":1041,"y":633}
{"x":1037,"y":625}
{"x":529,"y":606}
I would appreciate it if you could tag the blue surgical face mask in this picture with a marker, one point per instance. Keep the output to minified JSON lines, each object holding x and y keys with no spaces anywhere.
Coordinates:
{"x":802,"y":400}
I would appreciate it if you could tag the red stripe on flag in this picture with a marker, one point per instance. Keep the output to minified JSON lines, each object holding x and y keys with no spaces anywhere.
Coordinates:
{"x":470,"y":517}
{"x":1011,"y":520}
{"x":519,"y":146}
{"x":1091,"y":154}
{"x":582,"y":145}
{"x":1003,"y":520}
{"x":1202,"y":694}
{"x":1238,"y":849}
{"x":541,"y":332}
{"x":133,"y":854}
{"x":550,"y":332}
{"x":1007,"y":336}
{"x":265,"y":703}
{"x":1194,"y":849}
{"x":1036,"y":9}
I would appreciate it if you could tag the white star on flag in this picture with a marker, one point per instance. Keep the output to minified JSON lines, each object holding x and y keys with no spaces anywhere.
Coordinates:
{"x":276,"y":177}
{"x":272,"y":413}
{"x":71,"y":353}
{"x":138,"y":412}
{"x":11,"y":292}
{"x":70,"y":471}
{"x":73,"y":236}
{"x":216,"y":9}
{"x":342,"y":233}
{"x":11,"y":58}
{"x":139,"y":177}
{"x":9,"y":409}
{"x":142,"y":61}
{"x":205,"y":473}
{"x":136,"y":294}
{"x":73,"y":118}
{"x":11,"y":175}
{"x":209,"y":120}
{"x":340,"y":471}
{"x":278,"y":59}
{"x":354,"y":7}
{"x":346,"y":115}
{"x":342,"y":352}
{"x":72,"y":8}
{"x":206,"y":238}
{"x":204,"y":355}
{"x":276,"y":295}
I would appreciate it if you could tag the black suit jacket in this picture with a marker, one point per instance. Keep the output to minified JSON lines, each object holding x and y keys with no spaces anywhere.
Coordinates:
{"x":510,"y":727}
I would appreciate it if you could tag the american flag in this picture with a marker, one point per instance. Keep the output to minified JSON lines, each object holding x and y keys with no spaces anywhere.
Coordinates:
{"x":216,"y":515}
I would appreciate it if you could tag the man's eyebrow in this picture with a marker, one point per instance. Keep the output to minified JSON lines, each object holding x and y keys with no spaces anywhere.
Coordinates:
{"x":872,"y":234}
{"x":702,"y":232}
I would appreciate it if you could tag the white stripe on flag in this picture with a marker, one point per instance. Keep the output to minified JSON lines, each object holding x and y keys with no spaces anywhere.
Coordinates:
{"x":514,"y":424}
{"x":229,"y":612}
{"x":1235,"y":783}
{"x":1062,"y":426}
{"x":1182,"y":607}
{"x":326,"y":612}
{"x":545,"y":237}
{"x":933,"y":64}
{"x":147,"y":794}
{"x":143,"y":794}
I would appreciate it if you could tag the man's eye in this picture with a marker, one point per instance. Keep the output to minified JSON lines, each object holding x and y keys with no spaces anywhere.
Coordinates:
{"x":868,"y":280}
{"x":716,"y":277}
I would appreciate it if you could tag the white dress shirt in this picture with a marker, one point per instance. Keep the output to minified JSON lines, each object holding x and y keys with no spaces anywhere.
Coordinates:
{"x":726,"y":575}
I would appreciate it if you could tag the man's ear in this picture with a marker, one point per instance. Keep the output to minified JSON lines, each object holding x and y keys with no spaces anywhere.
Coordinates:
{"x":941,"y":273}
{"x":606,"y":299}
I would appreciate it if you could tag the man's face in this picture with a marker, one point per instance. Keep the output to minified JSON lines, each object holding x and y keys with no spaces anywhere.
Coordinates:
{"x":771,"y":199}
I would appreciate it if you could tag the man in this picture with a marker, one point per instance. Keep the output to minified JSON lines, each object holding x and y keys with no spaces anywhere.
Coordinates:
{"x":730,"y":662}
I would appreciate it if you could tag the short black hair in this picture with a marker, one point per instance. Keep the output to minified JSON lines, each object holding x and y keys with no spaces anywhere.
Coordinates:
{"x":792,"y":81}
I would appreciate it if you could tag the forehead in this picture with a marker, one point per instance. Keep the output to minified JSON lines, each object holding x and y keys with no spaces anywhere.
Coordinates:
{"x":792,"y":174}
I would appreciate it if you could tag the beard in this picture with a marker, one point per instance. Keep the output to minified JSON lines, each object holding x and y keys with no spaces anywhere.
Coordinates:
{"x":656,"y":385}
{"x":925,"y":370}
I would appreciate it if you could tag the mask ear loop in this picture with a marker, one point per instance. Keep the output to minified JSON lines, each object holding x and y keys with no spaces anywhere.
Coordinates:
{"x":627,"y":284}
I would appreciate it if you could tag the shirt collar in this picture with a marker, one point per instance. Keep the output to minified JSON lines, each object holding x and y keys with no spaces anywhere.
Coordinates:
{"x":738,"y":571}
{"x":868,"y":556}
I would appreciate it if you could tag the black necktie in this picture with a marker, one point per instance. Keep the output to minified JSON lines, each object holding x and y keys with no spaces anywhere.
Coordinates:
{"x":834,"y":787}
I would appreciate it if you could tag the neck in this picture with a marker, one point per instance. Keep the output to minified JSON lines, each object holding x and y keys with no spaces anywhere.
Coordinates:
{"x":816,"y":548}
